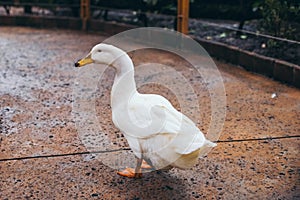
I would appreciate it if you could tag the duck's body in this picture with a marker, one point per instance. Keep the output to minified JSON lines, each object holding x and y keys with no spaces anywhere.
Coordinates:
{"x":155,"y":130}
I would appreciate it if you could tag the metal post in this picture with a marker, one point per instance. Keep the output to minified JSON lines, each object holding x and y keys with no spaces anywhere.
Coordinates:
{"x":183,"y":16}
{"x":84,"y":12}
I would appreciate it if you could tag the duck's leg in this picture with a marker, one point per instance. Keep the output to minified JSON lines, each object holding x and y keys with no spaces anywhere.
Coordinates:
{"x":145,"y":165}
{"x":138,"y":168}
{"x":133,"y":173}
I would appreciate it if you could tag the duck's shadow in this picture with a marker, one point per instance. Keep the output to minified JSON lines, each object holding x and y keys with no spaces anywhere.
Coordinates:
{"x":153,"y":185}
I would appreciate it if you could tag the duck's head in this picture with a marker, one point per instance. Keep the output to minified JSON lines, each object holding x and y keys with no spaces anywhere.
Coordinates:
{"x":101,"y":54}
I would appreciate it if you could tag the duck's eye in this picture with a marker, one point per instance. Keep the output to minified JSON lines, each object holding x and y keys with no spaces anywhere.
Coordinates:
{"x":99,"y":51}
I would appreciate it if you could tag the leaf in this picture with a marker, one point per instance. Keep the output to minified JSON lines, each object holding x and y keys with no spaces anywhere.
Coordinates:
{"x":223,"y":35}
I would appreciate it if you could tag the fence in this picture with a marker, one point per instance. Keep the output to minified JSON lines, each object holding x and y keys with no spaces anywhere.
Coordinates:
{"x":84,"y":8}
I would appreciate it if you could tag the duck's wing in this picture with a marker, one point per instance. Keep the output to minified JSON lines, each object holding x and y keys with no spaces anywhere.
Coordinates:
{"x":158,"y":118}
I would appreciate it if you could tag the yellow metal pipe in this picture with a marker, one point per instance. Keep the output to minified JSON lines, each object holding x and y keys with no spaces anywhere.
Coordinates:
{"x":84,"y":12}
{"x":183,"y":16}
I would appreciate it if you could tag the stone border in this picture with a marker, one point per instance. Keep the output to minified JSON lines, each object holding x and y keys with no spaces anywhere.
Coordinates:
{"x":279,"y":70}
{"x":64,"y":23}
{"x":41,"y":22}
{"x":274,"y":68}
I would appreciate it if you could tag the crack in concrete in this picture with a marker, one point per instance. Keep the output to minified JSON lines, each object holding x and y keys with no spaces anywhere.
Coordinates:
{"x":258,"y":139}
{"x":62,"y":155}
{"x":128,"y":149}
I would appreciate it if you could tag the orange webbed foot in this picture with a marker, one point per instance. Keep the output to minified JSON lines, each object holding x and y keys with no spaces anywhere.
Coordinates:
{"x":130,"y":173}
{"x":137,"y":172}
{"x":145,"y":165}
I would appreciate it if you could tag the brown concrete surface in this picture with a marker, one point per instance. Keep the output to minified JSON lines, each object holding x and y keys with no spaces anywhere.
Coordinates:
{"x":41,"y":153}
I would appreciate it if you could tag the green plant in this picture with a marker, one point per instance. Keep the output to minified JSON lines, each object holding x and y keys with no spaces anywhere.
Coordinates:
{"x":277,"y":16}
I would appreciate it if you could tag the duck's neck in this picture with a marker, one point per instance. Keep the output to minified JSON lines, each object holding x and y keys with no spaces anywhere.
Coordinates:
{"x":124,"y":84}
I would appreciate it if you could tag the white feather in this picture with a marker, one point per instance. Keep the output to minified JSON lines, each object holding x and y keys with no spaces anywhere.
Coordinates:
{"x":155,"y":130}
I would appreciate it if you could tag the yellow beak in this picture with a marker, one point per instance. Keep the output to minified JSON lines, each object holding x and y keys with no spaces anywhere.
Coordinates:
{"x":84,"y":61}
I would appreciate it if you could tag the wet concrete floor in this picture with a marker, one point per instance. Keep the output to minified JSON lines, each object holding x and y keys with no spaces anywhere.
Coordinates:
{"x":42,"y":155}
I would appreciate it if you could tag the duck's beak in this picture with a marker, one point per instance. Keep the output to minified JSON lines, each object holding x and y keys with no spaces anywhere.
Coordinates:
{"x":87,"y":60}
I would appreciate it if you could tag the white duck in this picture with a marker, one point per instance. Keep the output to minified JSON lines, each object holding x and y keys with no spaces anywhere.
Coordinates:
{"x":160,"y":136}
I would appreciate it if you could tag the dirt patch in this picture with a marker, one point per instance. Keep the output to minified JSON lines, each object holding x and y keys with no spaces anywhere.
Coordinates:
{"x":224,"y":32}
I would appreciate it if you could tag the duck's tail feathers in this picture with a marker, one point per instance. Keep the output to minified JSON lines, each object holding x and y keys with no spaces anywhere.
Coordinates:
{"x":205,"y":149}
